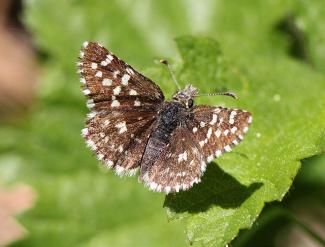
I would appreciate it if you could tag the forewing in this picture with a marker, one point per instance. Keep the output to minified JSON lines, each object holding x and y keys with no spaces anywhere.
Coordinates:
{"x":179,"y":165}
{"x":119,"y":138}
{"x":110,"y":83}
{"x":218,"y":129}
{"x":123,"y":107}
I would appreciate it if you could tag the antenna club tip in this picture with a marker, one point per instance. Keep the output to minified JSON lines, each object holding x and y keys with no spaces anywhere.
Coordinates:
{"x":231,"y":94}
{"x":163,"y":61}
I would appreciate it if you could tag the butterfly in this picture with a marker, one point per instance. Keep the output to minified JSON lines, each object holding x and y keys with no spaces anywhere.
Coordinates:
{"x":131,"y":127}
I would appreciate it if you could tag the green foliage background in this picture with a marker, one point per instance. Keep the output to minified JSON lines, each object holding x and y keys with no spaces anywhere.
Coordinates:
{"x":81,"y":204}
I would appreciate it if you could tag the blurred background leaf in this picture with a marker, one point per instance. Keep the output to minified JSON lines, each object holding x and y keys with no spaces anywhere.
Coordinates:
{"x":271,"y":53}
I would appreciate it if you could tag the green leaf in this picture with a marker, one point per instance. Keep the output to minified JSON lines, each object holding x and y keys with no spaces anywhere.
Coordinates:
{"x":288,"y":126}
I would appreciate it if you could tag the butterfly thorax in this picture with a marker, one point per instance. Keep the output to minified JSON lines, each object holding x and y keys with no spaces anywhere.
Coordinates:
{"x":186,"y":96}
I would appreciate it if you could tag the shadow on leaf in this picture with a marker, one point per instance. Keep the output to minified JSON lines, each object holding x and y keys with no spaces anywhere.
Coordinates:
{"x":217,"y":188}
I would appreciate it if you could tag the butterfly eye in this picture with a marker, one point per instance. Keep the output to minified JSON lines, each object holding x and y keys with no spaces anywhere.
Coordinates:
{"x":190,"y":103}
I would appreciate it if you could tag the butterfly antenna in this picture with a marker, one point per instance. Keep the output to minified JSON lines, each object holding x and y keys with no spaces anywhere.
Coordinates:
{"x":165,"y":62}
{"x":230,"y":94}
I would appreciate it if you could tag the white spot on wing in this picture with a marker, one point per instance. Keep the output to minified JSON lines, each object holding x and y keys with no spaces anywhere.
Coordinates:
{"x":115,"y":73}
{"x":109,"y":163}
{"x":104,"y":63}
{"x":94,"y":65}
{"x":133,"y":92}
{"x":137,"y":102}
{"x":182,"y":156}
{"x":91,"y":114}
{"x":210,"y":158}
{"x":110,"y":57}
{"x":107,"y":82}
{"x":202,"y":124}
{"x":121,"y":127}
{"x":125,"y":79}
{"x":119,"y":170}
{"x":132,"y":172}
{"x":214,"y":119}
{"x":117,"y":90}
{"x":218,"y":153}
{"x":203,"y":166}
{"x":100,"y":156}
{"x":91,"y":145}
{"x":153,"y":186}
{"x":194,"y":130}
{"x":86,"y":91}
{"x":90,"y":103}
{"x":209,"y":133}
{"x":99,"y":74}
{"x":233,"y":113}
{"x":218,"y":133}
{"x":83,"y":80}
{"x":130,"y":71}
{"x":227,"y":148}
{"x":84,"y":132}
{"x":167,"y":189}
{"x":115,"y":103}
{"x":217,"y":110}
{"x":233,"y":129}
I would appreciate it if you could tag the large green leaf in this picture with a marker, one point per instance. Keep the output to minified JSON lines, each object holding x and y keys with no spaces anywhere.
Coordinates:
{"x":288,"y":126}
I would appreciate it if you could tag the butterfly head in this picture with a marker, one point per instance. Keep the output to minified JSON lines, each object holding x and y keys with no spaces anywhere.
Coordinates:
{"x":186,"y":96}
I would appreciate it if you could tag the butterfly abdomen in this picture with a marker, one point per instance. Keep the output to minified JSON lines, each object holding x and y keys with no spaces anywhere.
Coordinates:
{"x":168,"y":119}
